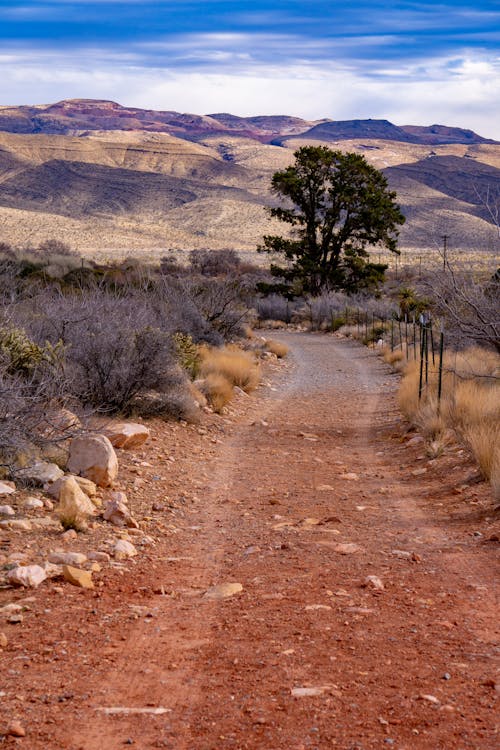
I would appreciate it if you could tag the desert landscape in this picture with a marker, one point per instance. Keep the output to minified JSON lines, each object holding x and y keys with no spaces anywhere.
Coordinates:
{"x":112,"y":181}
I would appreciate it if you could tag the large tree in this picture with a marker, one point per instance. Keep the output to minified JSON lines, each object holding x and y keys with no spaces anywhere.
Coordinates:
{"x":338,"y":205}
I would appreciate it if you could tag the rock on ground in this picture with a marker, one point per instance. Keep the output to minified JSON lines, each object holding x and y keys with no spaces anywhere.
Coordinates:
{"x":29,"y":576}
{"x":93,"y":457}
{"x":127,"y":435}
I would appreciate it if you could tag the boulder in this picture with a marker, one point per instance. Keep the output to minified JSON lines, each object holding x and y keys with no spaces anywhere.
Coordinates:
{"x":33,"y":503}
{"x":93,"y":457}
{"x":117,"y":512}
{"x":127,"y":435}
{"x":29,"y":576}
{"x":41,"y":473}
{"x":74,"y":508}
{"x":7,"y":488}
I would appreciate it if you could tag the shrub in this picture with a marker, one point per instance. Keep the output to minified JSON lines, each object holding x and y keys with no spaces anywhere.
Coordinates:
{"x":277,"y":348}
{"x":188,"y":354}
{"x":237,"y":366}
{"x":218,"y":390}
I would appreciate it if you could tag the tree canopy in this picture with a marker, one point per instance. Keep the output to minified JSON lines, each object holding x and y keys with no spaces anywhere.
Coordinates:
{"x":338,"y":206}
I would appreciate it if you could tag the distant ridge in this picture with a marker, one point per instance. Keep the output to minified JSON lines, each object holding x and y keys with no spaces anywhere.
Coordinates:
{"x":76,"y":116}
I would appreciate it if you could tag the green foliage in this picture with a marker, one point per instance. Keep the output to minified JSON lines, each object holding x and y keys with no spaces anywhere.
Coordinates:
{"x":23,"y":356}
{"x":410,"y":303}
{"x":338,"y":205}
{"x":188,"y":354}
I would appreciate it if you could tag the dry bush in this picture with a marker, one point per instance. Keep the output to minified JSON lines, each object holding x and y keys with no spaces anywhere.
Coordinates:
{"x":393,"y":357}
{"x":218,"y":390}
{"x":237,"y":366}
{"x":276,"y":347}
{"x":470,"y":404}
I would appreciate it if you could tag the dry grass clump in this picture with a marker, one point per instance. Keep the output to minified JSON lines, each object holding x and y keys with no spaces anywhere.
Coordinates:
{"x":239,"y":368}
{"x":470,"y":405}
{"x":276,"y":348}
{"x":218,"y":390}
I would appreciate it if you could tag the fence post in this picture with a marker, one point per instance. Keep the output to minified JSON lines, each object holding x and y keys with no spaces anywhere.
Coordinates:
{"x":392,"y":334}
{"x":440,"y":375}
{"x":421,"y":378}
{"x":414,"y":339}
{"x":426,"y":353}
{"x":432,"y":342}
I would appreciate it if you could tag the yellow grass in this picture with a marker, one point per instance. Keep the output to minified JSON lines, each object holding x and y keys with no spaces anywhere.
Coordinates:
{"x":237,"y":366}
{"x":277,"y":348}
{"x":470,"y":405}
{"x":218,"y":390}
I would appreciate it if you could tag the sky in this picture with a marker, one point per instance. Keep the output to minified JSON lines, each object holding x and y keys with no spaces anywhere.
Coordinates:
{"x":415,"y":63}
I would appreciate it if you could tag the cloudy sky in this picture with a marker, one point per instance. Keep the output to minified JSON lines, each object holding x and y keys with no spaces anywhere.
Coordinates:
{"x":410,"y":62}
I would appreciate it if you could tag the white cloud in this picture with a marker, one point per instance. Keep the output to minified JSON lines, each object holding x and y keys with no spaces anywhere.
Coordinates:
{"x":462,"y":92}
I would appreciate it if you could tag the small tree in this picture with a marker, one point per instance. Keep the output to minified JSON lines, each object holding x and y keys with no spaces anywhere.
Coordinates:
{"x":338,"y":205}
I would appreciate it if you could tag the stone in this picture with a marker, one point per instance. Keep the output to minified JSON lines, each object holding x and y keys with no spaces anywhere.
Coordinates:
{"x":7,"y":510}
{"x":309,"y":692}
{"x":77,"y":577}
{"x":62,"y":420}
{"x":346,"y":548}
{"x":99,"y":556}
{"x":123,"y":550}
{"x":69,"y":535}
{"x":67,"y":558}
{"x":93,"y":457}
{"x":52,"y":570}
{"x":117,"y":512}
{"x":41,"y":473}
{"x":429,"y":699}
{"x":4,"y":641}
{"x":419,"y":472}
{"x":21,"y":524}
{"x":74,"y":508}
{"x":373,"y":582}
{"x":86,"y":486}
{"x":7,"y":489}
{"x":33,"y":503}
{"x":29,"y":576}
{"x":349,"y":476}
{"x":127,"y":435}
{"x":16,"y":729}
{"x":223,"y":591}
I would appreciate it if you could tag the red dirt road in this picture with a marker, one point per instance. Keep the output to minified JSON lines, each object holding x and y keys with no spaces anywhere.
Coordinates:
{"x":299,"y":495}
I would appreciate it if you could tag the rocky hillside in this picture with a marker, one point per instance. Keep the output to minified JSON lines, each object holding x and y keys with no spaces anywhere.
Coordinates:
{"x":109,"y":179}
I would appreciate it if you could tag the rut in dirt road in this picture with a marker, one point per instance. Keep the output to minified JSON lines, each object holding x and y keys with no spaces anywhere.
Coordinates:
{"x":306,"y":500}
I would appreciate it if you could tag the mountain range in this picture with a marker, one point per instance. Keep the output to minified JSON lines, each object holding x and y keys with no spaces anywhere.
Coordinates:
{"x":109,"y":179}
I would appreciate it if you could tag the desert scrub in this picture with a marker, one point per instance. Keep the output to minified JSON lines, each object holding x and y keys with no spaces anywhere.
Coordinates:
{"x":276,"y":347}
{"x":238,"y":367}
{"x":217,"y":389}
{"x":24,"y":356}
{"x":188,"y":354}
{"x":470,"y":404}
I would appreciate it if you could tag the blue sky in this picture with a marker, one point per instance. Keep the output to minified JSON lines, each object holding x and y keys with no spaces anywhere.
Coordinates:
{"x":410,"y":62}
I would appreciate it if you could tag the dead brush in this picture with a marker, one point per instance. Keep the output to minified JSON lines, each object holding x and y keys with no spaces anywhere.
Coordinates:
{"x":469,"y":407}
{"x":239,"y":368}
{"x":218,"y":390}
{"x":276,"y":347}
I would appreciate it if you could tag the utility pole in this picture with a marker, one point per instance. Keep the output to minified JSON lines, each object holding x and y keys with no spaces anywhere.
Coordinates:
{"x":445,"y":237}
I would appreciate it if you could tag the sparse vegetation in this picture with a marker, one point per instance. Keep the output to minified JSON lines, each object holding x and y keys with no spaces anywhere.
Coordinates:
{"x":237,"y":366}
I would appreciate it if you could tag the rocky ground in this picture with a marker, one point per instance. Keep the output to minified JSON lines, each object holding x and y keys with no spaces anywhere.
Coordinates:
{"x":305,"y":577}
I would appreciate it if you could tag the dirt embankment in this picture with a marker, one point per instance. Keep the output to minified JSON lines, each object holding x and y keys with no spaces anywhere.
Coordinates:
{"x":365,"y":615}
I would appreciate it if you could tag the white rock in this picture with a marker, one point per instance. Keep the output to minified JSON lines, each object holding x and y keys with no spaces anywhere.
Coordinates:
{"x":29,"y":576}
{"x":67,"y":558}
{"x":99,"y":556}
{"x":7,"y":510}
{"x":123,"y":550}
{"x":32,"y":503}
{"x":373,"y":582}
{"x":93,"y":457}
{"x":127,"y":435}
{"x":41,"y":473}
{"x":7,"y":489}
{"x":21,"y":524}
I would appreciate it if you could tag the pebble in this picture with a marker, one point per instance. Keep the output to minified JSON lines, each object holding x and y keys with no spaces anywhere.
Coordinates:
{"x":21,"y":524}
{"x":348,"y":548}
{"x":69,"y":535}
{"x":67,"y":558}
{"x":3,"y":640}
{"x":7,"y":510}
{"x":429,"y":698}
{"x":373,"y":582}
{"x":16,"y":729}
{"x":7,"y":488}
{"x":32,"y":503}
{"x":223,"y":591}
{"x":308,"y":692}
{"x":350,"y":476}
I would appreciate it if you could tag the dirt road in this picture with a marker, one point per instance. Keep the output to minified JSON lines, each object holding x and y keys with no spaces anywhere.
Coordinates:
{"x":306,"y":491}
